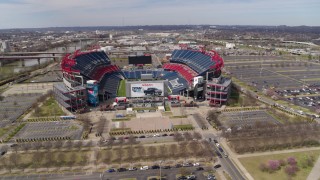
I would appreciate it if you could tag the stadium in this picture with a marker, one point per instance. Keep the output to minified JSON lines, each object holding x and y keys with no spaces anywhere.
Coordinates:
{"x":90,"y":79}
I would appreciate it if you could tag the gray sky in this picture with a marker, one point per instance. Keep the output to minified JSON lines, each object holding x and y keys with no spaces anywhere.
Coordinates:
{"x":52,"y":13}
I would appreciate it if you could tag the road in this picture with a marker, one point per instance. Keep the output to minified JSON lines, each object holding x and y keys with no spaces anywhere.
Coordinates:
{"x":228,"y":165}
{"x":140,"y":175}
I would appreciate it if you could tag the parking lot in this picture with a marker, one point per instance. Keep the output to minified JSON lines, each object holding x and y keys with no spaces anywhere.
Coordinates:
{"x":246,"y":118}
{"x":13,"y":106}
{"x":37,"y":130}
{"x":273,"y":72}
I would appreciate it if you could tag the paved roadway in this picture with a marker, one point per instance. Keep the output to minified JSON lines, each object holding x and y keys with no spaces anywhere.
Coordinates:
{"x":226,"y":162}
{"x":140,"y":175}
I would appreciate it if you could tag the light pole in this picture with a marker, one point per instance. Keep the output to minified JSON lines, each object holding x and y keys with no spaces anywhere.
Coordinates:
{"x":160,"y":169}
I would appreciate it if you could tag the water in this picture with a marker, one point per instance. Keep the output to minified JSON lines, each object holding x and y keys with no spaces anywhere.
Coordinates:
{"x":10,"y":69}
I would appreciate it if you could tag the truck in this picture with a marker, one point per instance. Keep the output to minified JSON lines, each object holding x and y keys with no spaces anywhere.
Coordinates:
{"x":152,"y":91}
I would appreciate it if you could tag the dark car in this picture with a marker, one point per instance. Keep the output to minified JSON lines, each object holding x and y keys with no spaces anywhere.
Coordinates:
{"x":217,"y":166}
{"x":111,"y":170}
{"x":199,"y":168}
{"x":166,"y":167}
{"x":178,"y":165}
{"x":164,"y":134}
{"x":142,"y":136}
{"x":122,"y":169}
{"x":182,"y":178}
{"x":171,"y":134}
{"x":215,"y":141}
{"x":219,"y":154}
{"x":152,"y":91}
{"x":155,"y":167}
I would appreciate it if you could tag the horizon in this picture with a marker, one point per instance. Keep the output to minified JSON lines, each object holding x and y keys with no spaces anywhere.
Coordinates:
{"x":85,"y":13}
{"x":119,"y":26}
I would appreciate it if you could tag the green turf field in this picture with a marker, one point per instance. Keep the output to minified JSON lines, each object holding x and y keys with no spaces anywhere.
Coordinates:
{"x":122,"y":89}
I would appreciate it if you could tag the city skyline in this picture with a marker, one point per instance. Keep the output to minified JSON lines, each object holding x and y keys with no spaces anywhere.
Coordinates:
{"x":37,"y":13}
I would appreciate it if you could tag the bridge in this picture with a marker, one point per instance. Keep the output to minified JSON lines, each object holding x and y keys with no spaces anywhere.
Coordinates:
{"x":23,"y":58}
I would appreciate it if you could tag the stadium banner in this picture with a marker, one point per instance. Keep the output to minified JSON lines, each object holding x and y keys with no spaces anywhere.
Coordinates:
{"x":146,"y":89}
{"x":92,"y":91}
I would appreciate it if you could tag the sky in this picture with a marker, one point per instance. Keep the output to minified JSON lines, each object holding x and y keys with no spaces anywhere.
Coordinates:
{"x":66,"y":13}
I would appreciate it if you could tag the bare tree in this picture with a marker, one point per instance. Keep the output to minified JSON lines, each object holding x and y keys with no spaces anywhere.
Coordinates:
{"x":61,"y":157}
{"x":178,"y":137}
{"x":58,"y":144}
{"x":173,"y":149}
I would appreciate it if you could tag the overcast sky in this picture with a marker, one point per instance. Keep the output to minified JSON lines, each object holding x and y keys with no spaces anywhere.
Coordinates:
{"x":52,"y":13}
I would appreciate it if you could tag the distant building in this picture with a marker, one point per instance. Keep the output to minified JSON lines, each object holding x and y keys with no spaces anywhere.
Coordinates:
{"x":230,"y":45}
{"x":4,"y":46}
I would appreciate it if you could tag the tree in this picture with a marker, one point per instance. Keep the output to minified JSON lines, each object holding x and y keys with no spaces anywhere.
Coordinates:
{"x":152,"y":152}
{"x":131,"y":140}
{"x":197,"y":135}
{"x":14,"y":158}
{"x":36,"y":159}
{"x":141,"y":150}
{"x":36,"y":145}
{"x":68,"y":144}
{"x":78,"y":145}
{"x":72,"y":159}
{"x":61,"y":157}
{"x":177,"y":137}
{"x":48,"y":158}
{"x":188,"y":136}
{"x":26,"y":146}
{"x":58,"y":144}
{"x":48,"y":145}
{"x":107,"y":157}
{"x":173,"y":149}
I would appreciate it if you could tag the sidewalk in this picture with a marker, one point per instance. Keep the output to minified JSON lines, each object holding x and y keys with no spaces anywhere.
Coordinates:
{"x":315,"y":173}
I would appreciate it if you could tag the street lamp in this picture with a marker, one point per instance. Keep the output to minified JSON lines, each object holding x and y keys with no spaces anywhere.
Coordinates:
{"x":160,"y":168}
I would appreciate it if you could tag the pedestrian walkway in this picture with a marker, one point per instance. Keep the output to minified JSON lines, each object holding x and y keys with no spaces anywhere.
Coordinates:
{"x":315,"y":173}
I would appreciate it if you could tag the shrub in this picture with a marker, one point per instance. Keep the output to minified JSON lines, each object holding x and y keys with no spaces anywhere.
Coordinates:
{"x":292,"y":161}
{"x":291,"y":170}
{"x":273,"y":165}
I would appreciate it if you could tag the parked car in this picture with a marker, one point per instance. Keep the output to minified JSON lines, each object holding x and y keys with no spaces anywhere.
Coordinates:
{"x":122,"y":169}
{"x":155,"y":167}
{"x":217,"y":166}
{"x":186,"y":164}
{"x":166,"y":167}
{"x":142,"y":136}
{"x":132,"y":169}
{"x":178,"y":165}
{"x":111,"y":170}
{"x":196,"y":164}
{"x":144,"y":168}
{"x":199,"y":168}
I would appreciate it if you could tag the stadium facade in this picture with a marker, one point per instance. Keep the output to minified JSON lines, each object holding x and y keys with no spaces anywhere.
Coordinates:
{"x":89,"y":77}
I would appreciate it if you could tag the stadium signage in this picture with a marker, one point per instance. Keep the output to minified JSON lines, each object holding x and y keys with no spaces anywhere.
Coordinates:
{"x":146,"y":89}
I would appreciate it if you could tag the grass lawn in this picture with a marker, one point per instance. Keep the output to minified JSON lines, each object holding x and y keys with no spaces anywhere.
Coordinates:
{"x":122,"y":89}
{"x":3,"y":131}
{"x":252,"y":165}
{"x":49,"y":108}
{"x":183,"y":126}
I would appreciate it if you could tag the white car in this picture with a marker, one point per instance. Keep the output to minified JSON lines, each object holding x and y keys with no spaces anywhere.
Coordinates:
{"x":144,"y":168}
{"x":196,"y":164}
